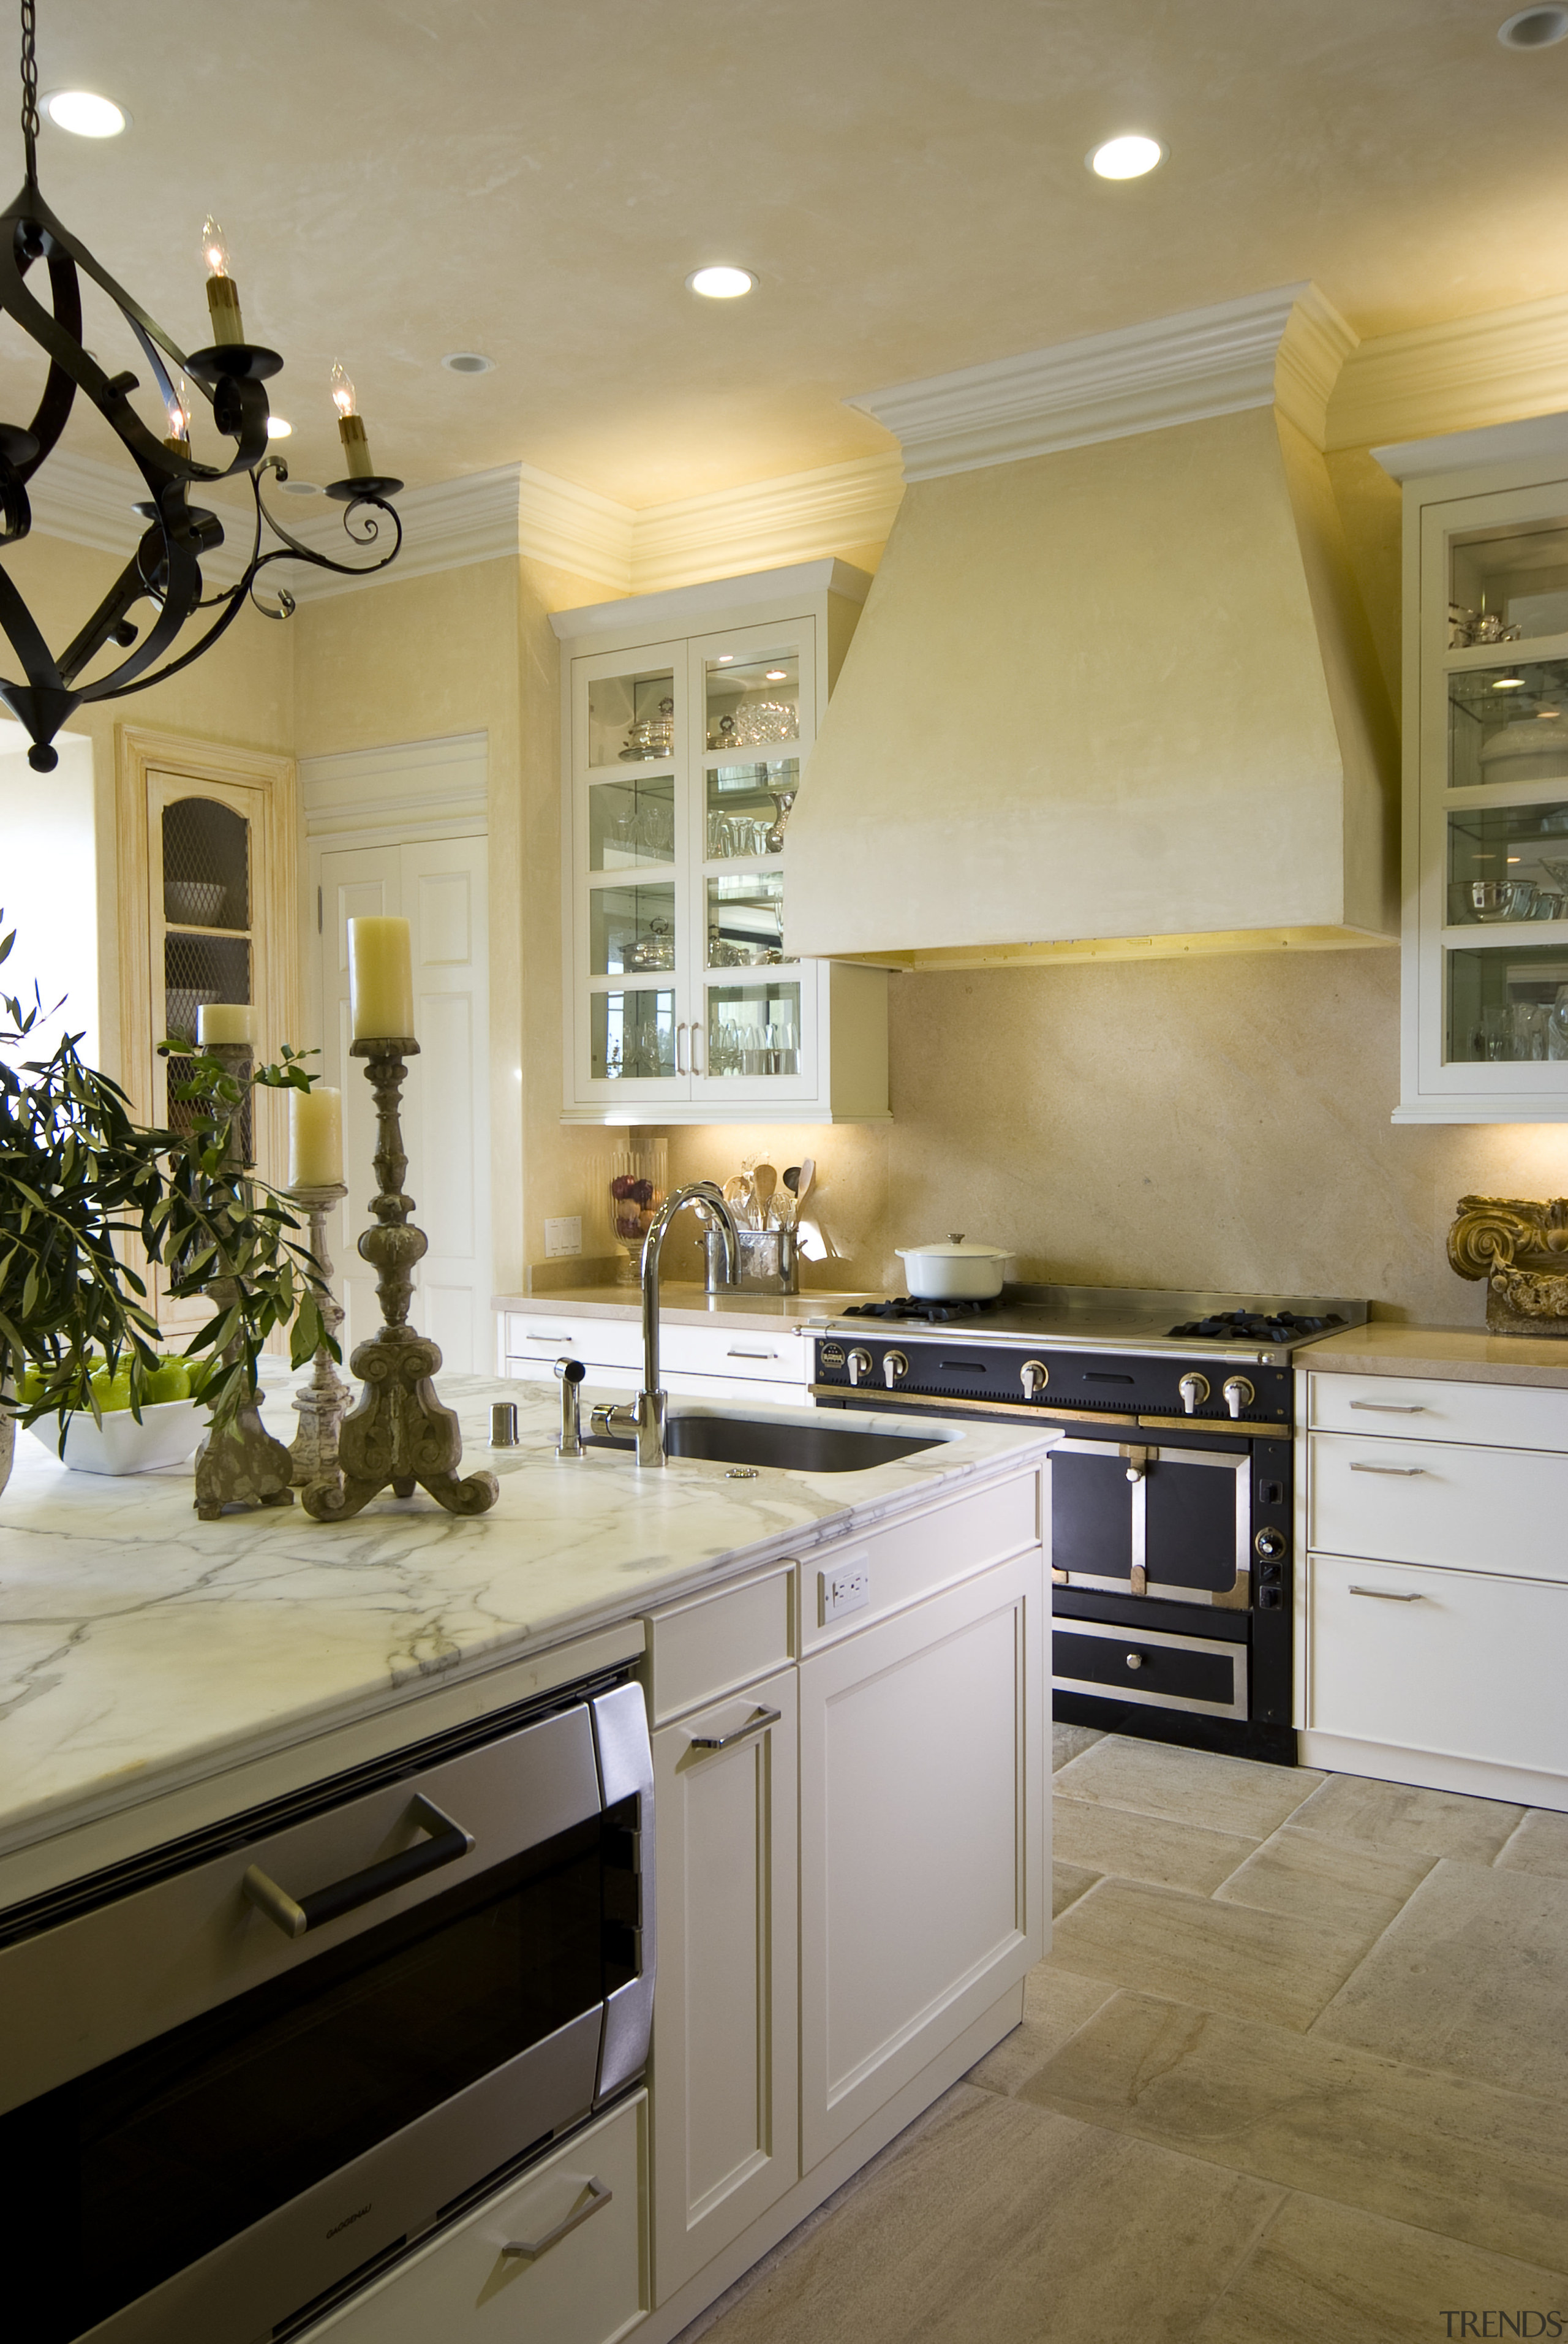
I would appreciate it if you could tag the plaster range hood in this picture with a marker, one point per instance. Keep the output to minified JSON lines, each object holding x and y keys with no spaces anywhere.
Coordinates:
{"x":1114,"y":692}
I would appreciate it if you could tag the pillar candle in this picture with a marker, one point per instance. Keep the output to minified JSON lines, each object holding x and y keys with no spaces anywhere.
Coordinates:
{"x":226,"y":1021}
{"x":315,"y":1139}
{"x":380,"y":980}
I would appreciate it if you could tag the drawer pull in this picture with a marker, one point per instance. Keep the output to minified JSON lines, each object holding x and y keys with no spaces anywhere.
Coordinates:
{"x":557,"y":1339}
{"x":733,"y":1354}
{"x":1387,"y":1595}
{"x":1405,"y":1470}
{"x":531,"y":2248}
{"x":758,"y":1722}
{"x":1391,"y":1406}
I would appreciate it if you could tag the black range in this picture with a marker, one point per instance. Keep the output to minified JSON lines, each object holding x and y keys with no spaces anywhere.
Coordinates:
{"x":1171,"y":1495}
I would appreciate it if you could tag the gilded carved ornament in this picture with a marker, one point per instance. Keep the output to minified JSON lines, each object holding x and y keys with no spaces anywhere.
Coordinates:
{"x":1521,"y":1248}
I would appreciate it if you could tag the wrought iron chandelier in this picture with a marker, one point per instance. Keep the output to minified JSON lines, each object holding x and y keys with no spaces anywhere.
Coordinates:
{"x":164,"y":571}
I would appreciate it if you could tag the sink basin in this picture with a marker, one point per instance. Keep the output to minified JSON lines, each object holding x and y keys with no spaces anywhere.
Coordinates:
{"x":797,"y":1448}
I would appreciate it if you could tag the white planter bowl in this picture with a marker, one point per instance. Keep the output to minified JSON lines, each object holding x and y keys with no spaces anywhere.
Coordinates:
{"x":165,"y":1436}
{"x":956,"y":1270}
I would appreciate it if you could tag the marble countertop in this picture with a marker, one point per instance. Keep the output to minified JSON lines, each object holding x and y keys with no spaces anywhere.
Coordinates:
{"x":141,"y":1648}
{"x":1452,"y":1354}
{"x":684,"y":1305}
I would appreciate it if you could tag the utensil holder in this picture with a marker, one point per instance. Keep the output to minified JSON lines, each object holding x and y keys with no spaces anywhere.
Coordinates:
{"x":769,"y":1262}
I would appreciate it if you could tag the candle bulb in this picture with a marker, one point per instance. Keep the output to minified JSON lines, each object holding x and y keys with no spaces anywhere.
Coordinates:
{"x":177,"y":406}
{"x":226,"y":1021}
{"x":315,"y":1139}
{"x":351,"y":425}
{"x":222,"y":292}
{"x":380,"y":980}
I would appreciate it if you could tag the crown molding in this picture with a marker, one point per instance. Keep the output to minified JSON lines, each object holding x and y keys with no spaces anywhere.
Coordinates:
{"x":767,"y":525}
{"x":1180,"y":369}
{"x":1468,"y":372}
{"x":364,"y":789}
{"x":681,"y":609}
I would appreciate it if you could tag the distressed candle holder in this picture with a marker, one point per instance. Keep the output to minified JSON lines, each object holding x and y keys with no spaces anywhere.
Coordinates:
{"x":398,"y":1433}
{"x":324,"y":1402}
{"x":238,"y":1463}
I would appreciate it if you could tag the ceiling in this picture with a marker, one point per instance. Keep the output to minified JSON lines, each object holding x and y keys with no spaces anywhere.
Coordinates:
{"x":905,"y":176}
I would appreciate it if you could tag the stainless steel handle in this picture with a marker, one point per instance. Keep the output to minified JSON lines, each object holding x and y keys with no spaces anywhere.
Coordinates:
{"x":733,"y":1354}
{"x":1404,"y":1470}
{"x":681,"y":1066}
{"x":555,"y":1339}
{"x":598,"y":2195}
{"x":447,"y":1843}
{"x":758,"y":1722}
{"x":1387,"y":1595}
{"x":1391,"y":1406}
{"x":696,"y":1036}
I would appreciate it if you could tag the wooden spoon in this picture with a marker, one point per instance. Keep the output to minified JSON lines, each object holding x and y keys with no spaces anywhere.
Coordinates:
{"x":802,"y":1184}
{"x":764,"y":1181}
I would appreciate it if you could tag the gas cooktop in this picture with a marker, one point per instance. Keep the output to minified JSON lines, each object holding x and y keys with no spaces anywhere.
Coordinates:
{"x":1148,"y":1318}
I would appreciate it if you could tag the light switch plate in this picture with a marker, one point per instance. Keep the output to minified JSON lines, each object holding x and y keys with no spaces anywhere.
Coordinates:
{"x":564,"y":1236}
{"x":847,"y":1589}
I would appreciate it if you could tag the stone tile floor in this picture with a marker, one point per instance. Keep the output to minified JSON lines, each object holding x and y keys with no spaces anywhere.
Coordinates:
{"x":1295,"y":2072}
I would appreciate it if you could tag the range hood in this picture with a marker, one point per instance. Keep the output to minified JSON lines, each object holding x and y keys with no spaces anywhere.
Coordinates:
{"x":1113,"y":691}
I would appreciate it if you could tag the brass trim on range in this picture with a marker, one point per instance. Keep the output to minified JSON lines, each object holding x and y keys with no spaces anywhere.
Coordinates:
{"x":1020,"y":1409}
{"x":1228,"y":1425}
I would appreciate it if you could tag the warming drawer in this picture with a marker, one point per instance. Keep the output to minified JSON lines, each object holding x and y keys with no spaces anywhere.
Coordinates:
{"x":1150,"y":1667}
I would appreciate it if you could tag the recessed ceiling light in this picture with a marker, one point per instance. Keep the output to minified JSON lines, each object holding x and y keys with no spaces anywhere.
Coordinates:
{"x":1125,"y":158}
{"x":776,"y":675}
{"x":276,"y":429}
{"x":84,"y":114}
{"x":722,"y":284}
{"x":467,"y":363}
{"x":1533,"y":28}
{"x":724,"y":659}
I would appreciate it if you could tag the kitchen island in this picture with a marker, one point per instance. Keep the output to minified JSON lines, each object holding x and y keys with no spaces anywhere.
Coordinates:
{"x":845,"y":1684}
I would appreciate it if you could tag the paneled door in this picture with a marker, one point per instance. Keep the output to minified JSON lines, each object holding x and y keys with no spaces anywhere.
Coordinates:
{"x":438,"y":885}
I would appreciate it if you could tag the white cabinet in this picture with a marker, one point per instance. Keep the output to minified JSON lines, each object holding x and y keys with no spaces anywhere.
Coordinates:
{"x":922,"y":1838}
{"x":1485,"y":946}
{"x":713,"y":1362}
{"x":557,"y":2256}
{"x":1433,"y":1598}
{"x":726,"y":2088}
{"x":687,"y":720}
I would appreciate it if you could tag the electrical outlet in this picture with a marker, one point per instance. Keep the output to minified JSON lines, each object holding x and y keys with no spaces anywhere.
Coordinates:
{"x":563,"y":1237}
{"x":848,"y":1589}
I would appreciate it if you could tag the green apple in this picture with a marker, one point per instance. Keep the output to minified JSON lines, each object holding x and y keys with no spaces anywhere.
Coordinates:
{"x":170,"y":1379}
{"x":112,"y":1392}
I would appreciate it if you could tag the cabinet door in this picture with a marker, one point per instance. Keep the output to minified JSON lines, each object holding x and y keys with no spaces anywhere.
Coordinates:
{"x":726,"y":2069}
{"x":1452,"y":1661}
{"x":629,"y":914}
{"x":756,"y":1040}
{"x":924,"y":1839}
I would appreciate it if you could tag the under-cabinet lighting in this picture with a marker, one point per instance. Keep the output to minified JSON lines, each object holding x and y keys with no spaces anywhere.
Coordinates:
{"x":1128,"y":157}
{"x":85,"y":114}
{"x":1508,"y":683}
{"x":721,"y":284}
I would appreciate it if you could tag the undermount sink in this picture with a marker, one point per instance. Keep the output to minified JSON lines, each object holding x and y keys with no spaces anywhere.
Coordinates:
{"x":797,"y":1448}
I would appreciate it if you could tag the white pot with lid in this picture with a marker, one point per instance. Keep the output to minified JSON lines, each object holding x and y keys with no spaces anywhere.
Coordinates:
{"x":960,"y":1270}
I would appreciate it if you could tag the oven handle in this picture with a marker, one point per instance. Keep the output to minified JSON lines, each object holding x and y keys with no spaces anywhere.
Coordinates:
{"x":598,"y":2198}
{"x":447,"y":1843}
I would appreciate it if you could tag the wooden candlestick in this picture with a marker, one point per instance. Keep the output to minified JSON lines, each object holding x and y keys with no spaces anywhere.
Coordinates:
{"x":398,"y":1433}
{"x":238,"y":1463}
{"x":324,"y":1402}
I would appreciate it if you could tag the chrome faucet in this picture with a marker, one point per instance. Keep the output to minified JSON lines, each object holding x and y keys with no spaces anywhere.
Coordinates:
{"x":645,"y":1415}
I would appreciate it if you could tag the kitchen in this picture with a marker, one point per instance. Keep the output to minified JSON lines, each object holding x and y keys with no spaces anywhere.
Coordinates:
{"x":1214,"y":1122}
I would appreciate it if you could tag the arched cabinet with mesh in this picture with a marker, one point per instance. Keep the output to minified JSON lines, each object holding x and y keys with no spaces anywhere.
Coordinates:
{"x":207,"y":839}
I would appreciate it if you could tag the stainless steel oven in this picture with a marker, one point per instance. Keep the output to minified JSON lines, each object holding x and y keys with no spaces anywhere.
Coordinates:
{"x":239,"y":2076}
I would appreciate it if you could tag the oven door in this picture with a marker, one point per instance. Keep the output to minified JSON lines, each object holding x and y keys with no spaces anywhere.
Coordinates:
{"x":272,"y":2070}
{"x":1171,"y":1523}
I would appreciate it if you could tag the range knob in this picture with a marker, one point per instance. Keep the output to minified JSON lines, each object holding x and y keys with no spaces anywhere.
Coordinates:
{"x":894,"y":1365}
{"x":1034,"y":1376}
{"x":1194,"y":1391}
{"x":1270,"y":1544}
{"x":1135,"y":1660}
{"x":858,"y":1364}
{"x":1238,"y":1394}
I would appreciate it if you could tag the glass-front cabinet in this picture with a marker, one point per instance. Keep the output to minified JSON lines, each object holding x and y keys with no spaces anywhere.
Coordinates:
{"x":684,"y":758}
{"x":1485,"y":989}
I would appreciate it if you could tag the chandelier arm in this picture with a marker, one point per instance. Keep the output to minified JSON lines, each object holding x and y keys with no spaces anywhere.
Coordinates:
{"x":113,"y":689}
{"x":60,"y":387}
{"x":26,"y":638}
{"x":292,"y":547}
